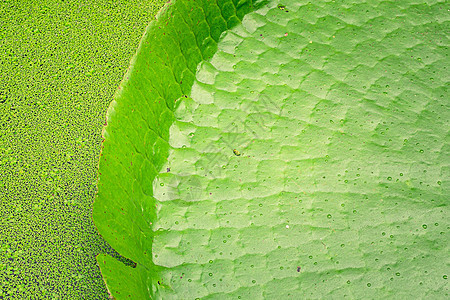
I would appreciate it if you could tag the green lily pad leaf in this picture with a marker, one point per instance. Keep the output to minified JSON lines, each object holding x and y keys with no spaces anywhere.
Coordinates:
{"x":303,"y":157}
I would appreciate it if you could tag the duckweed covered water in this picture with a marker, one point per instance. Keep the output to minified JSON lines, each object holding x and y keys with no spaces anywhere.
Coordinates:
{"x":60,"y":62}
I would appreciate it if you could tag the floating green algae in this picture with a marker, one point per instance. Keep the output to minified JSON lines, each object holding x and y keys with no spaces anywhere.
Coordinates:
{"x":61,"y":62}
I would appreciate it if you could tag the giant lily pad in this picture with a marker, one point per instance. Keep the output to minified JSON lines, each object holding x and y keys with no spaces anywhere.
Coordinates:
{"x":299,"y":153}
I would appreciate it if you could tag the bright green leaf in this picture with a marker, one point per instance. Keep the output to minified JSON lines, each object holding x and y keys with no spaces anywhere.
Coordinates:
{"x":337,"y":111}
